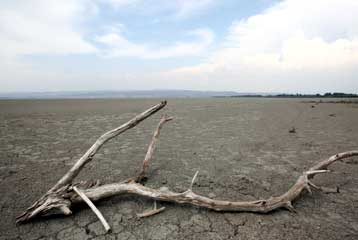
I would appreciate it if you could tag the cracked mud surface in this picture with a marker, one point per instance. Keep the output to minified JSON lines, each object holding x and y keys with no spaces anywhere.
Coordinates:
{"x":242,"y":148}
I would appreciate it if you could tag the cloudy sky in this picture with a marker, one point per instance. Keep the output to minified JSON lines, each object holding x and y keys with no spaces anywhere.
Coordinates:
{"x":291,"y":46}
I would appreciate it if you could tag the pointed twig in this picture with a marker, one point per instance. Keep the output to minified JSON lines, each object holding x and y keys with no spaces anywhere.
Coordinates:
{"x":289,"y":207}
{"x":193,"y":180}
{"x":323,"y":189}
{"x":311,"y":172}
{"x":151,"y":212}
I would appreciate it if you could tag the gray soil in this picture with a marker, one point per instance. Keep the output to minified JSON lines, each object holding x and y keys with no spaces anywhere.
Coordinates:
{"x":242,"y":147}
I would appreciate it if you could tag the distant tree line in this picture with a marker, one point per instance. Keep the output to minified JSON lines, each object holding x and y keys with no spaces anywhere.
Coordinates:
{"x":326,"y":95}
{"x":299,"y":95}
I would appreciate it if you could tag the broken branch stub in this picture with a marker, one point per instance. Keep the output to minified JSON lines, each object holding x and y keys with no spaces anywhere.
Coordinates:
{"x":61,"y":197}
{"x":151,"y":148}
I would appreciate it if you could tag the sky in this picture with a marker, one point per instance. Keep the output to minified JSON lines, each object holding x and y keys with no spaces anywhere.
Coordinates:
{"x":305,"y":46}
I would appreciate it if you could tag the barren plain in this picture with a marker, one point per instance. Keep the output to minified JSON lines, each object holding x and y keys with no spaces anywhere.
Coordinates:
{"x":242,"y":148}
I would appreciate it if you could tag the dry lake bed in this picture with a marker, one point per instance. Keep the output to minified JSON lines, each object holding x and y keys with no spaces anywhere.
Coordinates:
{"x":241,"y":146}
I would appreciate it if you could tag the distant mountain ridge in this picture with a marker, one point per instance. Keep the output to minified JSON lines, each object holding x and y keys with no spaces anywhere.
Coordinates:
{"x":161,"y":94}
{"x":118,"y":94}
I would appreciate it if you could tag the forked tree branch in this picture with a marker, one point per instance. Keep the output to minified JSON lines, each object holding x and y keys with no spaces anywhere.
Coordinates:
{"x":53,"y":202}
{"x":61,"y":197}
{"x":87,"y":157}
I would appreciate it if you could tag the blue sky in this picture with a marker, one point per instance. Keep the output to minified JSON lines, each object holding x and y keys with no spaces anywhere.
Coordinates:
{"x":246,"y":46}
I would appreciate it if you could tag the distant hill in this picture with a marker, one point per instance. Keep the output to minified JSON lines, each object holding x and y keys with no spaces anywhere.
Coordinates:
{"x":118,"y":94}
{"x":161,"y":94}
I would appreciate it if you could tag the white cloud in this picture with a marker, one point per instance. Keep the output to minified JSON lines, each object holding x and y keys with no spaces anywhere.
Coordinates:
{"x":58,"y":28}
{"x":43,"y":27}
{"x":118,"y":46}
{"x":61,"y":28}
{"x":291,"y":46}
{"x":296,"y":45}
{"x":301,"y":53}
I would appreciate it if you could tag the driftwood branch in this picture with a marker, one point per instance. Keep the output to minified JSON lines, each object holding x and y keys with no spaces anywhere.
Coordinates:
{"x":62,"y":196}
{"x":189,"y":197}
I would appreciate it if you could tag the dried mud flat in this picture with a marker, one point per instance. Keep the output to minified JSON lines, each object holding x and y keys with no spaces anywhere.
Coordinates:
{"x":242,"y":148}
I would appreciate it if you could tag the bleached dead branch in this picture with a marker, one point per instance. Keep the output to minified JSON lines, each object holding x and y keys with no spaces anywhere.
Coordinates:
{"x":61,"y":198}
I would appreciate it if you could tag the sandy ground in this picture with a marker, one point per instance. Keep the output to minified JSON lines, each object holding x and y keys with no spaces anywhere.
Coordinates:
{"x":242,"y":148}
